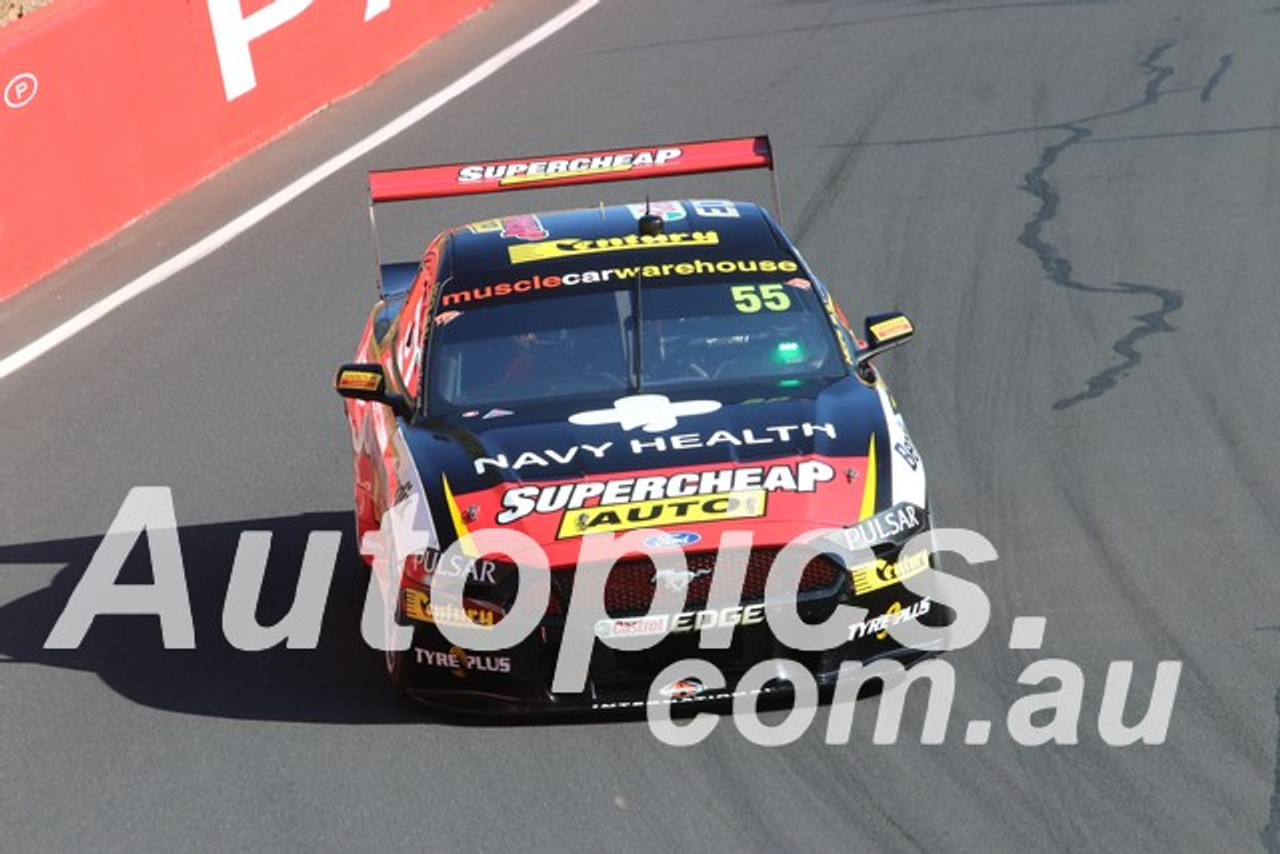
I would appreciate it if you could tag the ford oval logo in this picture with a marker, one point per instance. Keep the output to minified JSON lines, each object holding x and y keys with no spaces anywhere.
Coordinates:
{"x":672,"y":540}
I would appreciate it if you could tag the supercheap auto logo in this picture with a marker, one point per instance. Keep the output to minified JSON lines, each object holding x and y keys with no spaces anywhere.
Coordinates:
{"x":630,"y":503}
{"x":716,"y":507}
{"x":530,"y":171}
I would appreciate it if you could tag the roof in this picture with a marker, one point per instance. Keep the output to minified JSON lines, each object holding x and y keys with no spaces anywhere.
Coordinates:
{"x":588,"y":238}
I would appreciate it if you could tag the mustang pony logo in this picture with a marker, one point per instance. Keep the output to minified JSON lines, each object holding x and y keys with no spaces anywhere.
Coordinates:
{"x":678,"y":580}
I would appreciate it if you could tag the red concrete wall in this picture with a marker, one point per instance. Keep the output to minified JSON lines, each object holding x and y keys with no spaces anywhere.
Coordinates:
{"x":111,"y":107}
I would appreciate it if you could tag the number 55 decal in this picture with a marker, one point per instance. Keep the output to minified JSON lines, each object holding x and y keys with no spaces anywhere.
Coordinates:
{"x":749,"y":299}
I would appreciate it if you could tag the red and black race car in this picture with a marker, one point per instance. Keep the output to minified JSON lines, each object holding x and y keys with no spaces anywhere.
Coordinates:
{"x":615,"y":421}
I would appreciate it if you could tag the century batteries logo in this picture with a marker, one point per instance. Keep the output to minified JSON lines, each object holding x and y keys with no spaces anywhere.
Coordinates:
{"x":417,"y":606}
{"x":572,"y":247}
{"x":531,"y":171}
{"x":882,"y":573}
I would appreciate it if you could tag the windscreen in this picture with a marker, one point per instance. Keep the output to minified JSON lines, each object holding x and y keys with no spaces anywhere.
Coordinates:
{"x":637,"y":336}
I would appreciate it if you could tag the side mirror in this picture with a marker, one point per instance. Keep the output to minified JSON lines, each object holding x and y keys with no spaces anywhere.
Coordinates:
{"x":884,"y":332}
{"x":369,"y":382}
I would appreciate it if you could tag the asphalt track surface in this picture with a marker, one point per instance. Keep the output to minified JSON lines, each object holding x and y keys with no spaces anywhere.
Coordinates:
{"x":1077,"y":204}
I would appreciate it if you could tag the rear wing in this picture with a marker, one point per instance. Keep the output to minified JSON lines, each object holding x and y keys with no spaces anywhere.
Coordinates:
{"x":561,"y":170}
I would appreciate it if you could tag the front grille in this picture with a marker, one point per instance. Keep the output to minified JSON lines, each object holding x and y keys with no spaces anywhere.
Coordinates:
{"x":631,"y":584}
{"x":630,"y":587}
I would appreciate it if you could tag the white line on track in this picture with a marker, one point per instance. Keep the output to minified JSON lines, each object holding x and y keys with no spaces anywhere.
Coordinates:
{"x":207,"y":245}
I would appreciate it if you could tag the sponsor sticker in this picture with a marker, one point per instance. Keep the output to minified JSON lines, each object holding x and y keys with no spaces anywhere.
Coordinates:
{"x":715,"y":208}
{"x":833,"y":313}
{"x":485,"y":226}
{"x":640,"y":446}
{"x":539,"y":284}
{"x":359,"y":381}
{"x":876,"y":576}
{"x":658,"y":500}
{"x":524,"y":227}
{"x":894,"y":327}
{"x":649,"y":514}
{"x":476,"y":570}
{"x":460,"y":662}
{"x":878,"y":627}
{"x":905,"y":448}
{"x":519,"y":227}
{"x":572,"y":247}
{"x":532,"y":171}
{"x":689,"y":621}
{"x":653,"y":412}
{"x":668,"y":211}
{"x":633,"y":627}
{"x":907,"y":451}
{"x":884,"y":526}
{"x":418,"y":608}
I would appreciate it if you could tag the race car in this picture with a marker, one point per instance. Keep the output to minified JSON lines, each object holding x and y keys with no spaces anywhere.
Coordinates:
{"x":617,"y":421}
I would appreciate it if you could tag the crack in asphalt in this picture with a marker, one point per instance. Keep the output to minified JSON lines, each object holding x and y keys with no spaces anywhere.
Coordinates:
{"x":856,"y":22}
{"x":1271,"y":833}
{"x":1223,"y":64}
{"x":1057,"y":267}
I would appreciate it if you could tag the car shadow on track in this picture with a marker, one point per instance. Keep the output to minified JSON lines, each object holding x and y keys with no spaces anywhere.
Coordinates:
{"x":340,"y":681}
